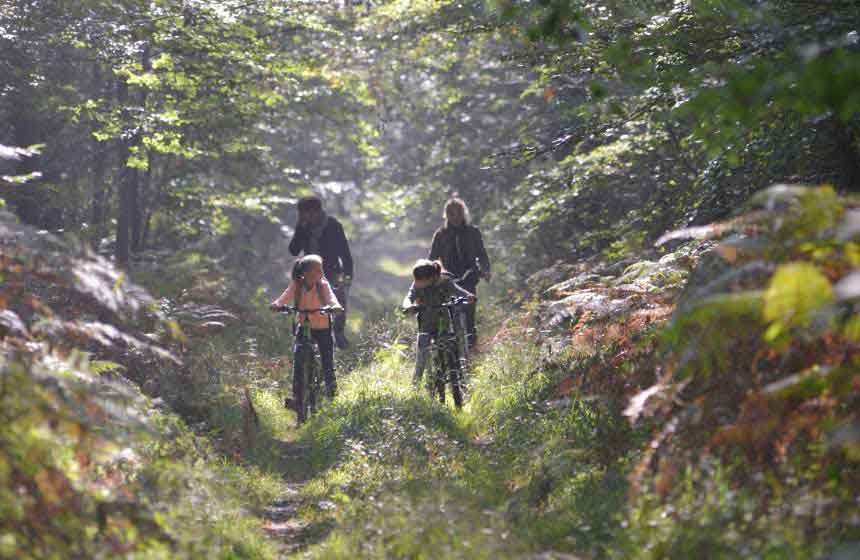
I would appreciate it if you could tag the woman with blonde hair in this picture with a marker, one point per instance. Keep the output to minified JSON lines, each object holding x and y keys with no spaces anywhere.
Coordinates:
{"x":460,"y":247}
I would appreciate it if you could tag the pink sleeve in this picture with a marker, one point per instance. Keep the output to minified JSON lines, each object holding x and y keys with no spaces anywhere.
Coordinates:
{"x":328,"y":294}
{"x":286,"y":297}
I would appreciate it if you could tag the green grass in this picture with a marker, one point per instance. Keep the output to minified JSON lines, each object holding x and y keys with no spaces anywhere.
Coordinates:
{"x":394,"y":474}
{"x":386,"y":472}
{"x":136,"y":481}
{"x":209,"y":506}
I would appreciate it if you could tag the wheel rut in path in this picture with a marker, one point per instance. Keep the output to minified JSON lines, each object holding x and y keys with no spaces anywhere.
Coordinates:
{"x":283,"y":520}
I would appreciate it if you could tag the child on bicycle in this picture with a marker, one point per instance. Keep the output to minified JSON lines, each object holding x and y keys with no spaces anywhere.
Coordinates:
{"x":309,"y":290}
{"x":431,"y":285}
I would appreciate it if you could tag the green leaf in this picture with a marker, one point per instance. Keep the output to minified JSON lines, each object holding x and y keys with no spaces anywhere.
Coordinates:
{"x":795,"y":291}
{"x":100,"y":367}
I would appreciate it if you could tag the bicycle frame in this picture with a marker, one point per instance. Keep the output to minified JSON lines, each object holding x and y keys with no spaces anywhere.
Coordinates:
{"x":446,"y":361}
{"x":306,"y":353}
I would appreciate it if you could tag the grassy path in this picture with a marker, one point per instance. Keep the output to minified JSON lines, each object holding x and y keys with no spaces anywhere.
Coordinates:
{"x":384,"y":472}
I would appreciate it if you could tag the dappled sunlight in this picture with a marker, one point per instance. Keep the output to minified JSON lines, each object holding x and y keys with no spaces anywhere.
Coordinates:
{"x":655,"y":204}
{"x":400,"y":269}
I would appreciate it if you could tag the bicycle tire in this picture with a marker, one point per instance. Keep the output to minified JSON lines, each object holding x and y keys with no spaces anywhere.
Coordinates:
{"x":455,"y":377}
{"x":313,"y":381}
{"x":439,"y":375}
{"x":302,"y":396}
{"x":462,"y":338}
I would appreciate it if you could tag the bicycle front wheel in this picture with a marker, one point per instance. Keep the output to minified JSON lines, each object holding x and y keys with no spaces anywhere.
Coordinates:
{"x":455,"y":377}
{"x":438,"y":371}
{"x":301,"y":389}
{"x":313,"y":384}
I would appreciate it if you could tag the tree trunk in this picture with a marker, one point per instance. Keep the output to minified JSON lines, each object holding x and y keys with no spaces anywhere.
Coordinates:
{"x":139,"y":193}
{"x":99,"y":191}
{"x":140,"y":226}
{"x":127,"y":182}
{"x":26,"y":128}
{"x":98,"y":173}
{"x":847,"y":148}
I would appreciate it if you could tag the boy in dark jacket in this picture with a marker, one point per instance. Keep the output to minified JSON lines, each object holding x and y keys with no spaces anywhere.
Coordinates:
{"x":431,"y":286}
{"x":320,"y":234}
{"x":460,"y":247}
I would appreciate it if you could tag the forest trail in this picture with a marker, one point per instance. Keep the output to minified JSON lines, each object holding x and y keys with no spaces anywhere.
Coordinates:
{"x":283,"y":522}
{"x":388,"y":471}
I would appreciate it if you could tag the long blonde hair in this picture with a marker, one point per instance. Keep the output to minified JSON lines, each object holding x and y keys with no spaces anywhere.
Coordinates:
{"x":456,"y":201}
{"x":303,"y":264}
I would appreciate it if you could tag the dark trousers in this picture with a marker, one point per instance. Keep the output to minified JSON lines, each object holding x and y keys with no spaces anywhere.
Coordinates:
{"x":341,"y":292}
{"x":422,"y":355}
{"x":470,"y":286}
{"x":324,"y":342}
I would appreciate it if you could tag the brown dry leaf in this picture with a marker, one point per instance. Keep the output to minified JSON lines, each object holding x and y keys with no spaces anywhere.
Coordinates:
{"x":50,"y":488}
{"x":728,"y":252}
{"x":565,"y":388}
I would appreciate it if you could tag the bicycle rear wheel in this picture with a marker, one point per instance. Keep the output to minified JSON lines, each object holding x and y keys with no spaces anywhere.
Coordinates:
{"x":462,"y":337}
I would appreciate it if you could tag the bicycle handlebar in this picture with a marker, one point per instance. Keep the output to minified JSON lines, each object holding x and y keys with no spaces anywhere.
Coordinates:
{"x":469,"y":273}
{"x":453,"y":302}
{"x":289,"y":310}
{"x":474,"y":270}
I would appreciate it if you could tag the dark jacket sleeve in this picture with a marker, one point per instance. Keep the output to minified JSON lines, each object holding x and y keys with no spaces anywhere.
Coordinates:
{"x":299,"y":242}
{"x":436,"y":246}
{"x":483,"y":258}
{"x":343,"y":248}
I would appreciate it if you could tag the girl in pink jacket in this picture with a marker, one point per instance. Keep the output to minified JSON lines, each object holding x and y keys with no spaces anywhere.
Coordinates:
{"x":309,"y":290}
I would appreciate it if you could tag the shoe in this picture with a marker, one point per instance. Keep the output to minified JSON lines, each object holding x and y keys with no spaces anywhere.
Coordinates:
{"x":340,"y":340}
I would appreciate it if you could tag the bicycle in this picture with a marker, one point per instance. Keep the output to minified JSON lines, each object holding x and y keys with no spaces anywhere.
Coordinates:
{"x":463,"y":341}
{"x":305,"y":352}
{"x":341,"y":284}
{"x":447,"y":365}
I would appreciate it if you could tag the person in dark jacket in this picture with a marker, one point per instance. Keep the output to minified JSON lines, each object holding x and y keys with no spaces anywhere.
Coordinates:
{"x":460,"y":247}
{"x":320,"y":234}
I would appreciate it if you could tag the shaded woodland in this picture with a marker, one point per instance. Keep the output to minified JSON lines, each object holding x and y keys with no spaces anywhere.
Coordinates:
{"x":669,"y":364}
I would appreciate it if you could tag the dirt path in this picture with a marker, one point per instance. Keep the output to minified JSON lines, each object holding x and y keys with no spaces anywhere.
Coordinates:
{"x":285,"y":524}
